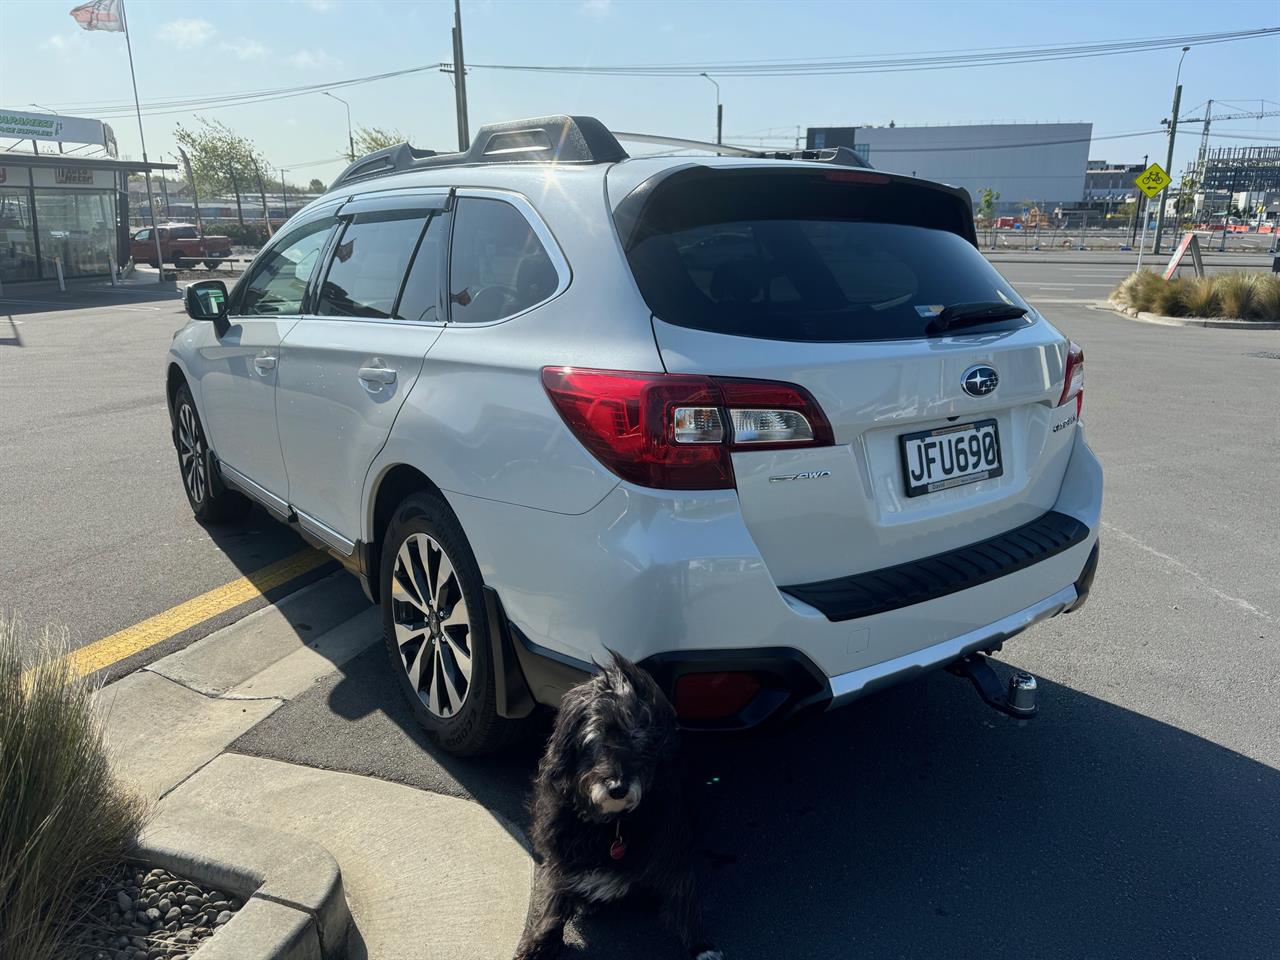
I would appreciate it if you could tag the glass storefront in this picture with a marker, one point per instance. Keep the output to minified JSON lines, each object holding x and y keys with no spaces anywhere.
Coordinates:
{"x":64,"y":211}
{"x":17,"y":235}
{"x":78,"y":226}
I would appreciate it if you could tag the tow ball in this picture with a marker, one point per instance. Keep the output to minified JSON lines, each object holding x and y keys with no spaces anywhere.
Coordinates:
{"x":1018,"y":699}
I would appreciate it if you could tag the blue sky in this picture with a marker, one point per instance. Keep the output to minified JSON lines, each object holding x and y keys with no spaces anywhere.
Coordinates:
{"x":196,"y":48}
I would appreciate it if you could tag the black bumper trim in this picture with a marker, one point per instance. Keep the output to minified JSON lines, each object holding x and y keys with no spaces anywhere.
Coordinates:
{"x":877,"y":591}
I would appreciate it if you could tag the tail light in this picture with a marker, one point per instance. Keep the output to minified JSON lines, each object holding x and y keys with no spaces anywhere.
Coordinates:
{"x":675,"y":431}
{"x":1073,"y":377}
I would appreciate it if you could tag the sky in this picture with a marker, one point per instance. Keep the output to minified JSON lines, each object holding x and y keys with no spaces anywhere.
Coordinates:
{"x":189,"y":49}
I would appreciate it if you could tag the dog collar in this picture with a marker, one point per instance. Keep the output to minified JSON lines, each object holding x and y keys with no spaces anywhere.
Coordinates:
{"x":618,"y":849}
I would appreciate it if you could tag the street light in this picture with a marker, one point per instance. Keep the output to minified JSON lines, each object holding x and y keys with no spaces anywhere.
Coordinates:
{"x":351,"y":144}
{"x":719,"y":110}
{"x":1173,"y":132}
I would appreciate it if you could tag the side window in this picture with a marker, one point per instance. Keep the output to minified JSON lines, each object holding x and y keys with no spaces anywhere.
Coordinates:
{"x":420,"y":300}
{"x":279,"y":281}
{"x":142,"y":235}
{"x":499,"y":266}
{"x":184,"y":233}
{"x":368,"y":266}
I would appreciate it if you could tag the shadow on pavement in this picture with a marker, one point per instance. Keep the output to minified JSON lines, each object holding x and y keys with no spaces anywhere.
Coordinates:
{"x":915,"y":823}
{"x":21,"y":299}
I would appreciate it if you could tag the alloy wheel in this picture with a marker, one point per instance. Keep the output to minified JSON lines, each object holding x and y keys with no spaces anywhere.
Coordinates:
{"x":432,"y":625}
{"x":191,"y":457}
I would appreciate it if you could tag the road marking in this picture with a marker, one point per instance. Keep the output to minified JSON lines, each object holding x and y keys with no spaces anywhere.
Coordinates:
{"x":1177,"y":564}
{"x":153,"y":630}
{"x":1068,"y":286}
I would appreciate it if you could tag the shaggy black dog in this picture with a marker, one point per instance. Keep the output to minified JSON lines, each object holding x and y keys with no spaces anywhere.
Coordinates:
{"x":609,"y":816}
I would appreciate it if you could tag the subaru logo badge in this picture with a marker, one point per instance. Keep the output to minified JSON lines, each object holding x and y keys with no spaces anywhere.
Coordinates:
{"x":980,"y":380}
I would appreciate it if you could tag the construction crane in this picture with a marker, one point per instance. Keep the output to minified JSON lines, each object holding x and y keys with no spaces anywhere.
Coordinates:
{"x":1208,"y":118}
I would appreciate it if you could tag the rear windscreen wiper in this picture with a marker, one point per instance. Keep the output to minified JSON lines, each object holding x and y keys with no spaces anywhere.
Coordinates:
{"x":971,"y":314}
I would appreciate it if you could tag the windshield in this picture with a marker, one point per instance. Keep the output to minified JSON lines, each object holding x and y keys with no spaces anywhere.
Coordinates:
{"x":810,"y":260}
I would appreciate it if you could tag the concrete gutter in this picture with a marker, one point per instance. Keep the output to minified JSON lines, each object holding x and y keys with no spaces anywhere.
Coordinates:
{"x":294,"y":904}
{"x":1216,"y":323}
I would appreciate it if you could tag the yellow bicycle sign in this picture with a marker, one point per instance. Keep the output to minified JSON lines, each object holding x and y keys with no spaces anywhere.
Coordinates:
{"x":1153,"y":179}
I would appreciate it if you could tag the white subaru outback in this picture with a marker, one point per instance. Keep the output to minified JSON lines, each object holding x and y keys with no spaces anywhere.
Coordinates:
{"x":769,"y":425}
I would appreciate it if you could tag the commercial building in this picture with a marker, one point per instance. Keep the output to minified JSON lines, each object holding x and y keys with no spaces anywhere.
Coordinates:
{"x":61,"y":209}
{"x":1028,"y":164}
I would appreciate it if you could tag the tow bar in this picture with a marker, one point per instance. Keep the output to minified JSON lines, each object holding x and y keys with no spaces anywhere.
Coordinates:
{"x":1018,"y":700}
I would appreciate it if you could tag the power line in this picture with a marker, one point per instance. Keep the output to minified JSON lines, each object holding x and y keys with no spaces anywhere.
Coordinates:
{"x":895,"y":64}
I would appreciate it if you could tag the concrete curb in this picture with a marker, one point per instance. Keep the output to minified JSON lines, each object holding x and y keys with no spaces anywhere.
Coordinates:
{"x":295,"y":907}
{"x":1215,"y":323}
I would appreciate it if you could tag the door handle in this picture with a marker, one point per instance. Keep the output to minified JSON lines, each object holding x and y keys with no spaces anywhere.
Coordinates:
{"x":263,"y":364}
{"x":377,"y":377}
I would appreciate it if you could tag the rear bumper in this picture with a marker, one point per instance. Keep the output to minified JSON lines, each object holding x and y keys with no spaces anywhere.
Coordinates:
{"x":676,"y":582}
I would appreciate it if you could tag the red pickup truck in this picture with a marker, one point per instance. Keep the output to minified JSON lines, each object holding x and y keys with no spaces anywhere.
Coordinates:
{"x":181,"y":245}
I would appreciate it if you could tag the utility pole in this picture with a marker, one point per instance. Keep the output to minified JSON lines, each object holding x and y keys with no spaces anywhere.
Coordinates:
{"x":284,"y":192}
{"x":1173,"y":132}
{"x":460,"y":79}
{"x":262,"y":195}
{"x":719,"y":113}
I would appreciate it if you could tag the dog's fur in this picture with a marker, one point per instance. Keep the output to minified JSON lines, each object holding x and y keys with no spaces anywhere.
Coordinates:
{"x":616,"y":731}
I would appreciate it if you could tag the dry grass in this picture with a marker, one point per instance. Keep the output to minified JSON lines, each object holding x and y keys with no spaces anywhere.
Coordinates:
{"x":63,"y":819}
{"x":1240,"y":296}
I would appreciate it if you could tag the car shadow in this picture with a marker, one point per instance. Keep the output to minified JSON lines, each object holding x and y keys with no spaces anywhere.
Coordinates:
{"x":914,"y":823}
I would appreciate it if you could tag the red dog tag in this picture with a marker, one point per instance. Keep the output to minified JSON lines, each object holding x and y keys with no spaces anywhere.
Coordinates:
{"x":618,"y":849}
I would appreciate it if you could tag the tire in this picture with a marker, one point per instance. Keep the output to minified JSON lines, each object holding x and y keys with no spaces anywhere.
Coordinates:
{"x":428,"y":637}
{"x":195,"y":466}
{"x":211,"y":264}
{"x":180,"y":262}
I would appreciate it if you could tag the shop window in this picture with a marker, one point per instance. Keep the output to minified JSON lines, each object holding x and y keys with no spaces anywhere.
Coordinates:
{"x":17,"y":238}
{"x":77,"y":226}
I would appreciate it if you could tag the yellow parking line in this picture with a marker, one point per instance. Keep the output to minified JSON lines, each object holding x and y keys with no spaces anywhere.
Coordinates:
{"x":140,"y":636}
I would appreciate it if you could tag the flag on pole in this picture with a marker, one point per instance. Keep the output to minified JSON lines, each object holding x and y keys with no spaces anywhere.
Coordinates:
{"x":99,"y":15}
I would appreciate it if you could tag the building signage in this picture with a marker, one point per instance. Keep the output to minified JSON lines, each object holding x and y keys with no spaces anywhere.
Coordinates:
{"x":80,"y":176}
{"x":44,"y":126}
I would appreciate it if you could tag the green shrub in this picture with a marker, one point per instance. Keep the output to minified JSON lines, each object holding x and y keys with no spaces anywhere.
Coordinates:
{"x":63,"y":818}
{"x":1238,"y":293}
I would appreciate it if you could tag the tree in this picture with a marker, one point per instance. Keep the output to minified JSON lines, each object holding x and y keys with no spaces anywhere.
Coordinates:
{"x":987,"y":206}
{"x":222,"y":161}
{"x":369,"y":139}
{"x":316,"y":186}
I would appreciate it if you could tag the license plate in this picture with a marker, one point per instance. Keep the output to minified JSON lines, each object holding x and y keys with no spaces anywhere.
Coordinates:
{"x":934,"y":460}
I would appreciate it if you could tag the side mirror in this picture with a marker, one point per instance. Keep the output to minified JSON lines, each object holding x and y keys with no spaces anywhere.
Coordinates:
{"x":206,"y":300}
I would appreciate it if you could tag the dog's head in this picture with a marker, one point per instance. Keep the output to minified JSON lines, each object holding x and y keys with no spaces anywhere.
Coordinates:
{"x":612,"y":737}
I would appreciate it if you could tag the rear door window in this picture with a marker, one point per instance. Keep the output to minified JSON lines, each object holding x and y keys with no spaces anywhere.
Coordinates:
{"x":498,"y":266}
{"x":368,"y":265}
{"x":790,"y":257}
{"x":184,"y":233}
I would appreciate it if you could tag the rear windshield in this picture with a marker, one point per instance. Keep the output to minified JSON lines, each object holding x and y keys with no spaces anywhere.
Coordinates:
{"x":811,"y":257}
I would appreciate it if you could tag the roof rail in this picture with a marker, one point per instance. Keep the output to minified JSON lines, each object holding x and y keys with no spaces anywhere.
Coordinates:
{"x":555,"y":139}
{"x":839,"y":156}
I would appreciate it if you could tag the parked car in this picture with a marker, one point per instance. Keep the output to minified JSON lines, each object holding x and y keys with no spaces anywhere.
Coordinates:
{"x":774,"y":428}
{"x":181,"y":244}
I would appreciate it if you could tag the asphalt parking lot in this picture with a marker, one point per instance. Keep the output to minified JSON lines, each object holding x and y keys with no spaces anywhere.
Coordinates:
{"x":1136,"y":817}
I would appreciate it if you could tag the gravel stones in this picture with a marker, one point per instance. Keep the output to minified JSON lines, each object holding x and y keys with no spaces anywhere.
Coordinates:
{"x":139,"y":914}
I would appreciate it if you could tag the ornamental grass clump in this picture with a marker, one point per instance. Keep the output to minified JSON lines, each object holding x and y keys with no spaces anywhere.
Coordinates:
{"x":64,"y":820}
{"x":1269,"y":297}
{"x":1238,"y":293}
{"x":1170,"y":298}
{"x":1138,"y":290}
{"x":1201,"y":297}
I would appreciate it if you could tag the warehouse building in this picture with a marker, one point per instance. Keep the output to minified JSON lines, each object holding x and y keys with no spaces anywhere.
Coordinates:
{"x":1028,"y":164}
